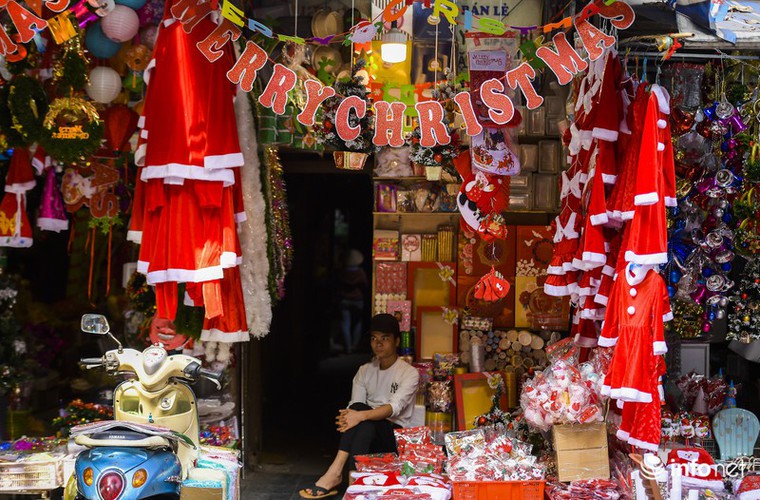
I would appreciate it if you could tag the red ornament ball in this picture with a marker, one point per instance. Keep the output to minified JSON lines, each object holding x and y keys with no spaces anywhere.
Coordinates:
{"x":438,"y":157}
{"x":328,"y":124}
{"x":482,"y":421}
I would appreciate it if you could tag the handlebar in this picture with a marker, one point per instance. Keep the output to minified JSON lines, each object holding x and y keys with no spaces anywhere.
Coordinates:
{"x":90,"y":362}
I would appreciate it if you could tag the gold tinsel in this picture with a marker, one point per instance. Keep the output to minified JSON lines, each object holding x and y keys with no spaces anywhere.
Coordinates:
{"x":75,"y":109}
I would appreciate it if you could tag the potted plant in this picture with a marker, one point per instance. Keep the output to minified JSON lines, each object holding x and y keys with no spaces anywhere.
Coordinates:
{"x":349,"y":155}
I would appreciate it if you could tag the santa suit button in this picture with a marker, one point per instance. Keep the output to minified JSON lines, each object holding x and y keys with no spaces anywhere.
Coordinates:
{"x":631,"y":310}
{"x":633,"y":292}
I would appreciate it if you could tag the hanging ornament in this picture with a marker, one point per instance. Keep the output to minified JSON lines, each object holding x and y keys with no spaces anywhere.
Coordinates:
{"x":121,"y":24}
{"x":72,"y":129}
{"x":99,"y":44}
{"x":105,"y":84}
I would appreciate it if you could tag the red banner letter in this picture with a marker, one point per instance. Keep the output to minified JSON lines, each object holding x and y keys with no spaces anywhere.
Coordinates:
{"x":522,"y":76}
{"x":345,"y":130}
{"x":244,"y":71}
{"x":591,"y":37}
{"x":25,"y":22}
{"x":388,"y":125}
{"x":620,"y":14}
{"x":275,"y":95}
{"x":565,"y":62}
{"x":464,"y":100}
{"x":500,"y":107}
{"x":432,"y":129}
{"x":212,"y":46}
{"x":316,"y":94}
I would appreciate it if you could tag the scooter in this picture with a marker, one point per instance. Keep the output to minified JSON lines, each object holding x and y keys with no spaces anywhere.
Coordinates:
{"x":152,"y":443}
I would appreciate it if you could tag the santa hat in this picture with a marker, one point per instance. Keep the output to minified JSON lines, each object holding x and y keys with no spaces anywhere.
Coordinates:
{"x":41,"y":160}
{"x":52,"y":214}
{"x":20,"y":177}
{"x":697,"y":468}
{"x":15,"y":230}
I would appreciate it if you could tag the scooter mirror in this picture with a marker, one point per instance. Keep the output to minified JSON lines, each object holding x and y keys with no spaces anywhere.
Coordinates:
{"x":96,"y":324}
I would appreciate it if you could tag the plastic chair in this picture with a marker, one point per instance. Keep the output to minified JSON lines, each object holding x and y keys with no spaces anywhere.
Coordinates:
{"x":736,"y":432}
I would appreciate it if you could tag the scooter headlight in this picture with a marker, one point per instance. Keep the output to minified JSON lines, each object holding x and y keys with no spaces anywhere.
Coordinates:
{"x":87,"y":476}
{"x":110,"y":485}
{"x":139,"y":478}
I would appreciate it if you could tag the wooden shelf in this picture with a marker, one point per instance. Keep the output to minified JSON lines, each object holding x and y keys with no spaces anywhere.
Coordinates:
{"x":416,"y":214}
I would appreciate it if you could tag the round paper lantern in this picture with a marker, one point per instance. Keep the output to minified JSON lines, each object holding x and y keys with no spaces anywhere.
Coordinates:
{"x":98,"y":43}
{"x":132,"y":4}
{"x":121,"y":24}
{"x":105,"y":84}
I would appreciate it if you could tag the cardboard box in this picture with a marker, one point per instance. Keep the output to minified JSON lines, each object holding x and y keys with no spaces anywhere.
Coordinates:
{"x":191,"y":493}
{"x":581,"y":451}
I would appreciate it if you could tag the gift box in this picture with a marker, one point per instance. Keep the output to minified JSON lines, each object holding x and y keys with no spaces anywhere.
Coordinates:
{"x":581,"y":451}
{"x":385,"y":245}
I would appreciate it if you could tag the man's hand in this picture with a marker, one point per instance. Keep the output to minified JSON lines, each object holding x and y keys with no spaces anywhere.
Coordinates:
{"x":348,"y":419}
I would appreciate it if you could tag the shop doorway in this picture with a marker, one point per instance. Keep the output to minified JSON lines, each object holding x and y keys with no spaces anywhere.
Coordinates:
{"x":306,"y":368}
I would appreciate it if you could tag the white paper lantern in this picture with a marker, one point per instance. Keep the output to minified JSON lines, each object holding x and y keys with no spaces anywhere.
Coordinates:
{"x":105,"y":84}
{"x":121,"y":24}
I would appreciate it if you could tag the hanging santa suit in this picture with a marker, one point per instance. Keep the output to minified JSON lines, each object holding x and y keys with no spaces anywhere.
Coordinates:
{"x":188,"y":196}
{"x":637,"y":309}
{"x":15,"y":229}
{"x":655,"y":183}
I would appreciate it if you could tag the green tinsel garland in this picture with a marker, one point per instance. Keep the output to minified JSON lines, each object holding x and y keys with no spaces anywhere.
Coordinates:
{"x":25,"y":106}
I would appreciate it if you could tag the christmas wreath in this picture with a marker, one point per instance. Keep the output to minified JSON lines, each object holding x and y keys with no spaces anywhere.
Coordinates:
{"x":23,"y":105}
{"x":72,"y":129}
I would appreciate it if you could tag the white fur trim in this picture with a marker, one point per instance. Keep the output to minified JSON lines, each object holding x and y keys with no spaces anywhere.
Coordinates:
{"x":214,"y":335}
{"x":609,"y":178}
{"x":608,"y":271}
{"x":180,"y":171}
{"x":223,"y":161}
{"x":649,"y":259}
{"x":594,"y":258}
{"x":607,"y":341}
{"x":671,"y":202}
{"x":134,"y":236}
{"x":188,"y":301}
{"x":556,"y":270}
{"x":556,"y":291}
{"x":601,"y":299}
{"x":140,"y":154}
{"x":599,"y":219}
{"x":644,"y":444}
{"x":627,"y":394}
{"x":144,"y":134}
{"x":663,"y":98}
{"x":16,"y":242}
{"x":668,"y":316}
{"x":50,"y":224}
{"x":254,"y":267}
{"x":228,"y":259}
{"x":622,"y":435}
{"x":21,"y":187}
{"x":660,"y":146}
{"x":661,"y":123}
{"x":646,"y":199}
{"x":210,"y":273}
{"x":605,"y":134}
{"x":659,"y":347}
{"x":240,"y":217}
{"x":141,"y":122}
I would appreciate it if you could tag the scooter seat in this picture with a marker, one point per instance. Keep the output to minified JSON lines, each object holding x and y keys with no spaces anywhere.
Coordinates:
{"x":123,"y":438}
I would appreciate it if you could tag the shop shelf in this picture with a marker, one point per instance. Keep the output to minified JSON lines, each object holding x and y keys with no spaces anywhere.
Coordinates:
{"x":499,"y":490}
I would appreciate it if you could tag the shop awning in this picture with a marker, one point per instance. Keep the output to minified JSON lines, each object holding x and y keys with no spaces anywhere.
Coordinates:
{"x":724,"y":25}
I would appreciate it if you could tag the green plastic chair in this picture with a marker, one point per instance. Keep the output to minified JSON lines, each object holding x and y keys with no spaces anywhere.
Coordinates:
{"x":736,"y":432}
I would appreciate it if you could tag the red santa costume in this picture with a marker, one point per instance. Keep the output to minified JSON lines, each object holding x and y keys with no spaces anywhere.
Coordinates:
{"x":15,"y":229}
{"x":188,"y":196}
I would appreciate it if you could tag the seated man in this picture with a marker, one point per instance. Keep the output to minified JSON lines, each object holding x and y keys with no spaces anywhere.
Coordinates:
{"x":382,"y":399}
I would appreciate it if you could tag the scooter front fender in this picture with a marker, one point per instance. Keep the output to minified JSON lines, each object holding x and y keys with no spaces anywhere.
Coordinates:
{"x":162,"y":467}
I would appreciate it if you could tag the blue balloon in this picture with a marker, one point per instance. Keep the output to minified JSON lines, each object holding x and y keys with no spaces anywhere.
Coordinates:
{"x":132,"y":4}
{"x":98,"y":43}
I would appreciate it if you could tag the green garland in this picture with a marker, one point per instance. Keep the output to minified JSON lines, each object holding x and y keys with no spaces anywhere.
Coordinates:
{"x":70,"y":71}
{"x":82,"y":114}
{"x":25,"y":105}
